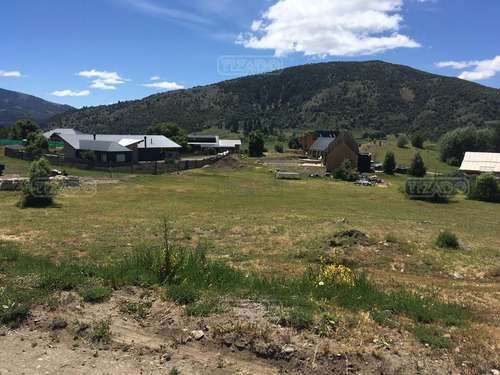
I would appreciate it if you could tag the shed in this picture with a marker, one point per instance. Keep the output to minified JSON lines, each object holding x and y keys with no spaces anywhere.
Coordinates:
{"x":480,"y":162}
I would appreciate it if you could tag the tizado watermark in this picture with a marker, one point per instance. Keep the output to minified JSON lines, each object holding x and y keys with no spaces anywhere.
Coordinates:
{"x":249,"y":65}
{"x":44,"y":187}
{"x":436,"y":188}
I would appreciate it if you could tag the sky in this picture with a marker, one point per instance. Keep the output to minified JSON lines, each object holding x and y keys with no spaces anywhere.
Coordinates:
{"x":98,"y":52}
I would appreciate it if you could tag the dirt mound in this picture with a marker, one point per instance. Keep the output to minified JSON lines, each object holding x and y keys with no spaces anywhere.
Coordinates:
{"x":349,"y":237}
{"x":229,"y":162}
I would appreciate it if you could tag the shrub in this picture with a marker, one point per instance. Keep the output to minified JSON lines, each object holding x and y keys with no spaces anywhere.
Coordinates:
{"x":485,"y":188}
{"x":183,"y":293}
{"x":169,"y":160}
{"x":279,"y":148}
{"x":38,"y":191}
{"x":417,"y":140}
{"x":402,"y":141}
{"x":89,"y":156}
{"x":101,"y":332}
{"x":447,"y":239}
{"x":389,"y":163}
{"x":417,"y":166}
{"x":345,"y":172}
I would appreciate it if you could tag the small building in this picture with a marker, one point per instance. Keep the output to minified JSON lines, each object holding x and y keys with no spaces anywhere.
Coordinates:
{"x":309,"y":139}
{"x":344,"y":146}
{"x":119,"y":148}
{"x":480,"y":162}
{"x":205,"y":142}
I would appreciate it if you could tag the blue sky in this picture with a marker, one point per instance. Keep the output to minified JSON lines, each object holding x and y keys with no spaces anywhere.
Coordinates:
{"x":94,"y":52}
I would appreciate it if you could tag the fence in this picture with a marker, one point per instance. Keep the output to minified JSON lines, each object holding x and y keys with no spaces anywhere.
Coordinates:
{"x":149,"y":167}
{"x":13,"y":142}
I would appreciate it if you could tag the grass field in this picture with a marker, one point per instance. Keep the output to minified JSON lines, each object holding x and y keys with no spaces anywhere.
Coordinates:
{"x":276,"y":227}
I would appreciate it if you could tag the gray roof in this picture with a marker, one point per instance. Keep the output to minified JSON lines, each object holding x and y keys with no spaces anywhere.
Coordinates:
{"x":61,"y":131}
{"x":321,"y":144}
{"x":103,"y":146}
{"x":153,"y":141}
{"x":481,"y":162}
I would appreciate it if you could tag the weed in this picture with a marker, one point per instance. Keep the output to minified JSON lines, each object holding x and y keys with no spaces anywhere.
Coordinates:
{"x":297,"y":319}
{"x":58,"y":323}
{"x":391,"y":238}
{"x":432,"y":336}
{"x":140,"y":308}
{"x":101,"y":332}
{"x":173,"y":371}
{"x":184,"y":293}
{"x":220,"y":363}
{"x":167,"y":357}
{"x":447,"y":239}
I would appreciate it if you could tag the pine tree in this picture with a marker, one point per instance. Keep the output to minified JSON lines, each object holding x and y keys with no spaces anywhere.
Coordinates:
{"x":417,"y":167}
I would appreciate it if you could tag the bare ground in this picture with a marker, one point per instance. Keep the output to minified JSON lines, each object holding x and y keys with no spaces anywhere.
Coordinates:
{"x":243,"y":339}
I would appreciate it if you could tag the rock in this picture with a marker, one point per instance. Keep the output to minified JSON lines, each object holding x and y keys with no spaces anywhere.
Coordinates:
{"x":78,"y":308}
{"x":241,"y":343}
{"x":495,"y":372}
{"x":198,"y":334}
{"x":288,"y":349}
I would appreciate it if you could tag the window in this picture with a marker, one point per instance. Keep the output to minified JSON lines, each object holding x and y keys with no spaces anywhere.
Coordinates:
{"x":104,"y":158}
{"x":120,"y":158}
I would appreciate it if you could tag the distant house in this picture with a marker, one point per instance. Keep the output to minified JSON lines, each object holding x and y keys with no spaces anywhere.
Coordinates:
{"x":54,"y":135}
{"x":308,"y":140}
{"x":204,"y":142}
{"x":319,"y":147}
{"x":344,"y":146}
{"x":119,"y":148}
{"x":479,"y":162}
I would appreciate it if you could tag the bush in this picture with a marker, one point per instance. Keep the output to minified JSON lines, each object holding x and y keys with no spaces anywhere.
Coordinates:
{"x":417,"y":166}
{"x":89,"y":156}
{"x":169,"y":160}
{"x":345,"y":172}
{"x":38,"y":191}
{"x":389,"y":163}
{"x":402,"y":141}
{"x":417,"y":140}
{"x":485,"y":188}
{"x":279,"y":148}
{"x":447,"y":239}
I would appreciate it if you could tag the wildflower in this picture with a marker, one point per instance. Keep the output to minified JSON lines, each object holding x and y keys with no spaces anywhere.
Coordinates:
{"x":321,"y":283}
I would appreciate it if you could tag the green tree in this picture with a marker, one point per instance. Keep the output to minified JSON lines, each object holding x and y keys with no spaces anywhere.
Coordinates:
{"x":485,"y":188}
{"x":417,"y":166}
{"x":255,"y":143}
{"x":172,"y":131}
{"x":38,"y":191}
{"x":278,"y":147}
{"x":234,"y":125}
{"x":294,"y":142}
{"x":417,"y":140}
{"x":345,"y":172}
{"x":402,"y":141}
{"x":389,"y":163}
{"x":4,"y":131}
{"x":36,"y":145}
{"x":20,"y":129}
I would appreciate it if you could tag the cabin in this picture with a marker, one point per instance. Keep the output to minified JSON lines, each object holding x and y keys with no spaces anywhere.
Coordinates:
{"x":119,"y":148}
{"x":344,"y":146}
{"x":309,"y":139}
{"x":480,"y":162}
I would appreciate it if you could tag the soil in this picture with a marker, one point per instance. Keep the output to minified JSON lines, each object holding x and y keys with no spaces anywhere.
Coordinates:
{"x":243,"y":339}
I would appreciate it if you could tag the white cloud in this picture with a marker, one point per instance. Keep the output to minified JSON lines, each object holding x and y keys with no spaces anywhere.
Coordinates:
{"x":164,"y":85}
{"x":483,"y":69}
{"x":326,"y":27}
{"x":155,"y":78}
{"x":103,"y":80}
{"x":70,"y":93}
{"x":4,"y":73}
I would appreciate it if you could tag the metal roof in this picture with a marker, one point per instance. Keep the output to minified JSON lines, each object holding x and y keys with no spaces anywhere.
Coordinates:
{"x":481,"y":162}
{"x":103,"y":146}
{"x":152,"y":141}
{"x":321,"y":144}
{"x":61,"y":131}
{"x":229,"y":143}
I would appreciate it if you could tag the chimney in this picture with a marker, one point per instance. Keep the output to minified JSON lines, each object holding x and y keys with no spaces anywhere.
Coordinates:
{"x":94,"y":136}
{"x":145,"y":142}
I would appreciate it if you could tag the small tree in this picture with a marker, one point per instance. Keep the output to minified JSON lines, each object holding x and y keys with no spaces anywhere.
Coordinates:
{"x":255,"y":143}
{"x":345,"y":172}
{"x":402,"y":141}
{"x":20,"y":129}
{"x":389,"y":163}
{"x":417,"y":166}
{"x":36,"y":145}
{"x":279,"y":148}
{"x":294,"y":142}
{"x":485,"y":188}
{"x":38,"y":191}
{"x":417,"y":140}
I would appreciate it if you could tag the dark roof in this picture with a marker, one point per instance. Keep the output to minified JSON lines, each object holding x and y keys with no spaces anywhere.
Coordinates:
{"x":321,"y":144}
{"x":327,"y":133}
{"x":103,"y":146}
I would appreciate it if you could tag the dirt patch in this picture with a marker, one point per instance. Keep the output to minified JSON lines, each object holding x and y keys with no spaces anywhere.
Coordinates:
{"x":351,"y":236}
{"x":118,"y":335}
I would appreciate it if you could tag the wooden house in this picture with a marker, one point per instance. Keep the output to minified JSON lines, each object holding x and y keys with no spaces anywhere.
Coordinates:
{"x":344,"y":146}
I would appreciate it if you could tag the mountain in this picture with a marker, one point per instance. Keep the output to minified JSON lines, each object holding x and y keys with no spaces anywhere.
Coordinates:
{"x":354,"y":95}
{"x":17,"y":106}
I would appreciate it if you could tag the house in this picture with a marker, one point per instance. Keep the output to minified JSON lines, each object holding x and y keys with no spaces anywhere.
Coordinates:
{"x":119,"y":148}
{"x":204,"y":142}
{"x":309,"y":139}
{"x":319,"y":147}
{"x":344,"y":146}
{"x":53,"y":135}
{"x":479,"y":162}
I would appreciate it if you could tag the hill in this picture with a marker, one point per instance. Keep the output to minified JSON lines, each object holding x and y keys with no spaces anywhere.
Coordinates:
{"x":16,"y":106}
{"x":354,"y":95}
